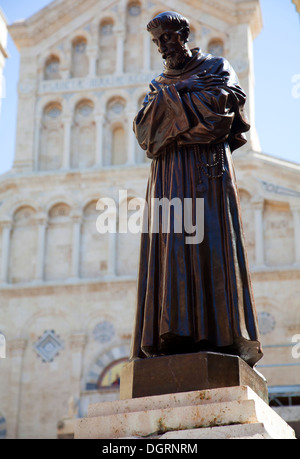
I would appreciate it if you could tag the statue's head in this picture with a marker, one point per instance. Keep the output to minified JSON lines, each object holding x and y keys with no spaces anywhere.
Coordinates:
{"x":170,"y":33}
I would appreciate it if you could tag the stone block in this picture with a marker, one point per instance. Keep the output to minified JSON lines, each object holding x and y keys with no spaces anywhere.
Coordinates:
{"x":197,"y":414}
{"x":188,"y":372}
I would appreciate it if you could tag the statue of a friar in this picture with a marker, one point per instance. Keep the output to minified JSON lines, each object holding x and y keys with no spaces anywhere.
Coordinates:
{"x":193,"y":297}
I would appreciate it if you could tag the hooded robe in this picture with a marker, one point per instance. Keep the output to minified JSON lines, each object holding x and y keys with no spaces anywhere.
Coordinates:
{"x":194,"y":297}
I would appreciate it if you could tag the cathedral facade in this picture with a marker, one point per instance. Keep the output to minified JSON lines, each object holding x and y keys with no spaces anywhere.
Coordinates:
{"x":67,"y":290}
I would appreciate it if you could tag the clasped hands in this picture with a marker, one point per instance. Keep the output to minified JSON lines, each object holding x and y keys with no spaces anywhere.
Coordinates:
{"x":200,"y":82}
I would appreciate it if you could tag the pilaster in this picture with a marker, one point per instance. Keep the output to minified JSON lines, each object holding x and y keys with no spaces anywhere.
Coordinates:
{"x":15,"y":351}
{"x":258,"y":207}
{"x":6,"y":234}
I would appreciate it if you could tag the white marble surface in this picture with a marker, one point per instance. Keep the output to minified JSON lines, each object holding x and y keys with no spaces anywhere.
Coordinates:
{"x":187,"y":415}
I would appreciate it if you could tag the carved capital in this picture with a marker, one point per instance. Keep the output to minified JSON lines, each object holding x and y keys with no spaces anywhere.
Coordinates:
{"x":16,"y":347}
{"x":78,"y":341}
{"x":7,"y":223}
{"x":67,"y":120}
{"x":295,"y":206}
{"x":99,"y":117}
{"x":41,"y":219}
{"x":92,"y":51}
{"x":257,"y":203}
{"x":76,"y":216}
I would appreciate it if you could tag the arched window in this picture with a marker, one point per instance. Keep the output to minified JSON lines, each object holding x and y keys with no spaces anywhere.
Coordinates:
{"x":52,"y":68}
{"x":107,"y":367}
{"x":134,"y":9}
{"x":83,"y":136}
{"x":51,"y":138}
{"x":23,"y":254}
{"x":58,"y":243}
{"x":216,"y":47}
{"x":133,"y":44}
{"x":80,"y":61}
{"x":110,"y":377}
{"x":118,"y":151}
{"x":115,"y":139}
{"x":107,"y":48}
{"x":94,"y":246}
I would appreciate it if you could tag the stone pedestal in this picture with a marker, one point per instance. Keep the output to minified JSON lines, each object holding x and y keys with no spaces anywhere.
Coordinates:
{"x":188,"y":372}
{"x":231,"y":412}
{"x":65,"y":429}
{"x":189,"y":396}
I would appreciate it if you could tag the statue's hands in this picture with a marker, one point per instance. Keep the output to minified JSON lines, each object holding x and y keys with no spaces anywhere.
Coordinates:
{"x":200,"y":82}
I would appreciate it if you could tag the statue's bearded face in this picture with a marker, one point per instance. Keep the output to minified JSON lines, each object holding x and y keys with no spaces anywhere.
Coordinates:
{"x":171,"y":43}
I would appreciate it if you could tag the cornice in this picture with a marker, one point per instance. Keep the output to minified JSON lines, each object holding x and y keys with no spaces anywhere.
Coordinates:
{"x":2,"y":16}
{"x":105,"y":175}
{"x":3,"y":24}
{"x":232,"y":12}
{"x":3,"y":51}
{"x":101,"y":284}
{"x":260,"y":158}
{"x":47,"y":21}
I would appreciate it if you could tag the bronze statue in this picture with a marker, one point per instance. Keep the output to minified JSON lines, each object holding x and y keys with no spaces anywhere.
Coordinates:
{"x":193,"y":297}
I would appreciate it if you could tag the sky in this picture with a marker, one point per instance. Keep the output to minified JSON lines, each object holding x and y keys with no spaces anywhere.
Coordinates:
{"x":277,"y":80}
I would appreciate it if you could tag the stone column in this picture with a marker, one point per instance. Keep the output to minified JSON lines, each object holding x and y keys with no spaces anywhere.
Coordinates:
{"x":296,"y":214}
{"x":99,"y":139}
{"x":36,"y":146}
{"x":65,"y":73}
{"x":131,"y":143}
{"x":40,"y":262}
{"x":6,"y":232}
{"x":259,"y":232}
{"x":77,"y":344}
{"x":92,"y":55}
{"x":120,"y":51}
{"x":67,"y":142}
{"x":15,"y":350}
{"x":75,"y":268}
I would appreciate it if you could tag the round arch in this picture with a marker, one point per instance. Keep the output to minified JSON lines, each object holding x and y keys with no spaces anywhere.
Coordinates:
{"x":52,"y":67}
{"x":47,"y":101}
{"x":20,"y":204}
{"x":77,"y":99}
{"x":60,"y":199}
{"x":80,"y":34}
{"x":103,"y":363}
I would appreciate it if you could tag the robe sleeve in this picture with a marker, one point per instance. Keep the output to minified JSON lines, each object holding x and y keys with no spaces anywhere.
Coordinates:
{"x":212,"y":115}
